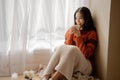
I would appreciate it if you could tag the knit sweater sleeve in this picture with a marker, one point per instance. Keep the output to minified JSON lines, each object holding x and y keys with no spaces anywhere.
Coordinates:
{"x":68,"y":38}
{"x":87,"y":47}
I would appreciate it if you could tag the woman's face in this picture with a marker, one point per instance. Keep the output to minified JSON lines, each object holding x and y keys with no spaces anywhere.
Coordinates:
{"x":79,"y":19}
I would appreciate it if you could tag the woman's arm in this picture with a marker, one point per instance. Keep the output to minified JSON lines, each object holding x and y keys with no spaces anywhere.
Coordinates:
{"x":89,"y":46}
{"x":68,"y":38}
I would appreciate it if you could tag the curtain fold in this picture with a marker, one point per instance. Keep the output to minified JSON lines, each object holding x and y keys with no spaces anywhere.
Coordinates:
{"x":27,"y":25}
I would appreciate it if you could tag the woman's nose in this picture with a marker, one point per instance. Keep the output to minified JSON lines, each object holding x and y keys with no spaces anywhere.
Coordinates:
{"x":78,"y":20}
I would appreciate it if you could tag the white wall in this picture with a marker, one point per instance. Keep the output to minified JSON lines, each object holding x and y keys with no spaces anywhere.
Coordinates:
{"x":107,"y":19}
{"x":101,"y":14}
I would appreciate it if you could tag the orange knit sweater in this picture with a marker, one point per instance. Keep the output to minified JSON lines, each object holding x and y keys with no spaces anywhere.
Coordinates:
{"x":86,"y":42}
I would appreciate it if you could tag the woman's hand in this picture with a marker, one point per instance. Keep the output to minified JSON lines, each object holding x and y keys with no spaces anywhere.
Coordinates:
{"x":72,"y":30}
{"x":75,"y":31}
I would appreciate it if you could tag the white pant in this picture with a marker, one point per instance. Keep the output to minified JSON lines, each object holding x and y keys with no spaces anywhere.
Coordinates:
{"x":68,"y":59}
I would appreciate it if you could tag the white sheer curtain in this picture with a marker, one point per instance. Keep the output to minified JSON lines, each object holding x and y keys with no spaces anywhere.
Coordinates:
{"x":26,"y":25}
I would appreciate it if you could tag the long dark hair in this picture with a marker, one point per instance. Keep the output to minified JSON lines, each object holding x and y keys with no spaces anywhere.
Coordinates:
{"x":87,"y":17}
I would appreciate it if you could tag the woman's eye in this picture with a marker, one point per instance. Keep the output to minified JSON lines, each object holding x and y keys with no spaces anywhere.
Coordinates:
{"x":80,"y":18}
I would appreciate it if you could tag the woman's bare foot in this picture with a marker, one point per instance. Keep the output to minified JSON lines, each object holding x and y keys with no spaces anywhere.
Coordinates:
{"x":46,"y":77}
{"x":57,"y":76}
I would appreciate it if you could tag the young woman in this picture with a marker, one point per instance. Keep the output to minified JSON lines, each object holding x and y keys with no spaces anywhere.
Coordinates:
{"x":76,"y":54}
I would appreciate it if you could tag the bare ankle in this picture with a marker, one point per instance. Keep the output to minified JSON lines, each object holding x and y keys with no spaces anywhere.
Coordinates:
{"x":45,"y":77}
{"x":58,"y":76}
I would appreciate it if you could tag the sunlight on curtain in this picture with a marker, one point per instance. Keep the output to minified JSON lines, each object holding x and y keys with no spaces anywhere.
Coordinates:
{"x":26,"y":25}
{"x":49,"y":21}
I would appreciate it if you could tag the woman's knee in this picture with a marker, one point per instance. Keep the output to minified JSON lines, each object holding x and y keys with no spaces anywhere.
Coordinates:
{"x":71,"y":51}
{"x":67,"y":50}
